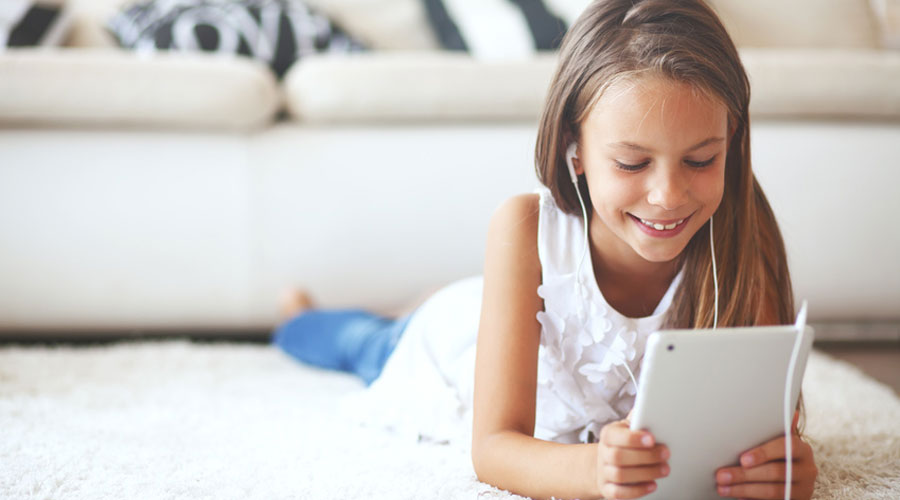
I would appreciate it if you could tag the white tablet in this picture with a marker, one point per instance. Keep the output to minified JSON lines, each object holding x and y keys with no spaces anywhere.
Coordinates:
{"x":710,"y":395}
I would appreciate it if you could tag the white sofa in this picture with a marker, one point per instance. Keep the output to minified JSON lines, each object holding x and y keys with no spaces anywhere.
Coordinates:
{"x":183,"y":192}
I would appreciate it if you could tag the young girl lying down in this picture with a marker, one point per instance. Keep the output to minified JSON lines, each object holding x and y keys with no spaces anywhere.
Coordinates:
{"x":648,"y":114}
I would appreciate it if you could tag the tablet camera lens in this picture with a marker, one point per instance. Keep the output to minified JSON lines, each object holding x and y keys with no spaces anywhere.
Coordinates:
{"x":671,"y":347}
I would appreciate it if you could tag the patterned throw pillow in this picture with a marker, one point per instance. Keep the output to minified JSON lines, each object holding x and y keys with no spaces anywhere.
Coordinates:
{"x":25,"y":23}
{"x":277,"y":32}
{"x":496,"y":29}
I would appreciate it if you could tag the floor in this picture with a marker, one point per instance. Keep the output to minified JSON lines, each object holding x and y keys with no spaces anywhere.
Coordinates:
{"x":879,"y":360}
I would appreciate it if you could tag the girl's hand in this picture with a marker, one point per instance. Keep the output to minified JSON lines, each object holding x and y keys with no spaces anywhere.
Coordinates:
{"x":762,"y":473}
{"x":628,"y":462}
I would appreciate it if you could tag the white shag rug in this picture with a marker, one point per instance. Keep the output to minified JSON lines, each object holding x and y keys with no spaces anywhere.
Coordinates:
{"x":175,"y":419}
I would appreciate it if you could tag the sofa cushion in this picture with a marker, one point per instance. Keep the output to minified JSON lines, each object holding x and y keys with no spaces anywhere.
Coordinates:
{"x":823,"y":83}
{"x":25,"y":23}
{"x":416,"y":86}
{"x":108,"y":86}
{"x":798,"y":23}
{"x":785,"y":83}
{"x":277,"y":32}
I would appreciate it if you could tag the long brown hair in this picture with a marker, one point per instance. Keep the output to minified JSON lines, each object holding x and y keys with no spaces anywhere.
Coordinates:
{"x":683,"y":41}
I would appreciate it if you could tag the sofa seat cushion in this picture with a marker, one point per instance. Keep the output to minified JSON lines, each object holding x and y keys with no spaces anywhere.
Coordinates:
{"x":812,"y":83}
{"x":109,"y":86}
{"x":417,"y":86}
{"x":438,"y":86}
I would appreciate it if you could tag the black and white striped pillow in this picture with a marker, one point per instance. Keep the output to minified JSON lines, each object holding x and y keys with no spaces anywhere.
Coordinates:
{"x":26,"y":23}
{"x":277,"y":32}
{"x":496,"y":29}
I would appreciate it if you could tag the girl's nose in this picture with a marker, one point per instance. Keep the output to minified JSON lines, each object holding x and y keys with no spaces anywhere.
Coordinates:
{"x":668,"y":188}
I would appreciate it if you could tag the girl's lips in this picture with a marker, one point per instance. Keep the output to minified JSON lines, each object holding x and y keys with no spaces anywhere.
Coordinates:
{"x":664,"y":233}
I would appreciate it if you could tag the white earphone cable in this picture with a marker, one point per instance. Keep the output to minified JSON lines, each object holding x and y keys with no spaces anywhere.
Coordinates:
{"x":585,"y":219}
{"x":788,"y":464}
{"x":800,"y":325}
{"x":712,"y":251}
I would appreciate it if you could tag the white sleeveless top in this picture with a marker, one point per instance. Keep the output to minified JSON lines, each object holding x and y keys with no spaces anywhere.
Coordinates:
{"x":426,"y":388}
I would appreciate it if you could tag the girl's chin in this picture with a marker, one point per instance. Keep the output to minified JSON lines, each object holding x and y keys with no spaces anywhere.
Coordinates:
{"x":659,"y":257}
{"x":660,"y":251}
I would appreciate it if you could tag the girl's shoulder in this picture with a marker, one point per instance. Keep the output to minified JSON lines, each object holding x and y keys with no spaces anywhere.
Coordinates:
{"x":535,"y":227}
{"x":518,"y":216}
{"x":513,"y":230}
{"x":524,"y":204}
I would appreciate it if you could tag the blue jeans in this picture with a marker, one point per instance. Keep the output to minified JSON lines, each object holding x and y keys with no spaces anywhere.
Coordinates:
{"x":349,"y":340}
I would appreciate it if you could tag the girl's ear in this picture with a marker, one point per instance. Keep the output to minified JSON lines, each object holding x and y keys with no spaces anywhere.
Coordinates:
{"x":579,"y":167}
{"x":573,"y":162}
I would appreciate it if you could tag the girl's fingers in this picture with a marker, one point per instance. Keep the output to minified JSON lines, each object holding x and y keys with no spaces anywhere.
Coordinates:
{"x":618,"y":434}
{"x":766,"y":478}
{"x":774,"y":450}
{"x":753,"y":490}
{"x":629,"y":475}
{"x":629,"y":457}
{"x":611,"y":490}
{"x":771,"y":472}
{"x":765,"y":490}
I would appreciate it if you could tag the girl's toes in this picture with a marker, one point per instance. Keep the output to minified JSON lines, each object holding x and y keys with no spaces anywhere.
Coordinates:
{"x":294,"y":301}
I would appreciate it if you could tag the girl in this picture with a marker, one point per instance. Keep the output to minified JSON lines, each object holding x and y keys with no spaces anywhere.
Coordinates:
{"x":643,"y":152}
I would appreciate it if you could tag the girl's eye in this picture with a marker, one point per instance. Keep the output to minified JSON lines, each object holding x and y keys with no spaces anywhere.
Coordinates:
{"x":700,"y":164}
{"x":631,"y":168}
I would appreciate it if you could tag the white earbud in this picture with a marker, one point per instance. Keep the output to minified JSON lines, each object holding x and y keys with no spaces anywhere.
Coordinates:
{"x":570,"y":157}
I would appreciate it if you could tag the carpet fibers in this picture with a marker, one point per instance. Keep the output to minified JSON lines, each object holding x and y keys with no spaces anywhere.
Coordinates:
{"x":175,"y":419}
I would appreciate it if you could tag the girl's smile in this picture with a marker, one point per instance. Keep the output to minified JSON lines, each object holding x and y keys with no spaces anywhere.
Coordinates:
{"x":660,"y":228}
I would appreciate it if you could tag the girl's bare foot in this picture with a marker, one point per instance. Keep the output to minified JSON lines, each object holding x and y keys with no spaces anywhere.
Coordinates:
{"x":293,"y":301}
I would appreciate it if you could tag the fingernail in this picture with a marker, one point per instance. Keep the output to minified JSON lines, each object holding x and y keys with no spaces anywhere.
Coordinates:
{"x":725,"y":477}
{"x":664,"y":470}
{"x":651,"y":486}
{"x":647,"y":440}
{"x":747,"y":460}
{"x":724,"y":490}
{"x":665,"y":454}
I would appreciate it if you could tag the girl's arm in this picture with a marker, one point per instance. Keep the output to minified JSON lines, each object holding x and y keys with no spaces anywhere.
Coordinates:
{"x":624,"y":464}
{"x":504,"y":453}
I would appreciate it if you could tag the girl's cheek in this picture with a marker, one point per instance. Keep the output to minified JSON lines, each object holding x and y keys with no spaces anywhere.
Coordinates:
{"x":710,"y":184}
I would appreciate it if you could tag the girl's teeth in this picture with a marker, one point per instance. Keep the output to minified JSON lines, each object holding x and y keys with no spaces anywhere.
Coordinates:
{"x":660,"y":227}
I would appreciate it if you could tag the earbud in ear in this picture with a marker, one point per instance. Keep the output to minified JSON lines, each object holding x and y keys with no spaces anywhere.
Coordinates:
{"x":570,"y":157}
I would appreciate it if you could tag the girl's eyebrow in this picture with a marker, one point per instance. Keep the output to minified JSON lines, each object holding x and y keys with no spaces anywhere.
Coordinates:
{"x":637,"y":147}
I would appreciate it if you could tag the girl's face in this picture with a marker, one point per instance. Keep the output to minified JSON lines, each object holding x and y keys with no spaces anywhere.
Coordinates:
{"x":653,"y":153}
